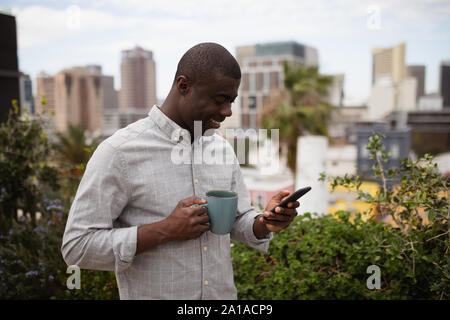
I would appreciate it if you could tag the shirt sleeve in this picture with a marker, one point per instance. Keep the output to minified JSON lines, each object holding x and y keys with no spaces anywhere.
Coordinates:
{"x":243,"y":226}
{"x":90,"y":241}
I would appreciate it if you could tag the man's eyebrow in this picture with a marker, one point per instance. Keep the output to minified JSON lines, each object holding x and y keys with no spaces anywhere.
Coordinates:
{"x":225,"y":96}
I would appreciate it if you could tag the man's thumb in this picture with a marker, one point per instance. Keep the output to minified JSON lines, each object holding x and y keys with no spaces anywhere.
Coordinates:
{"x":280,"y":195}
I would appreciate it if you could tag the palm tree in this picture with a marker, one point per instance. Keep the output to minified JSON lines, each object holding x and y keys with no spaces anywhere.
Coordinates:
{"x":299,"y":109}
{"x":72,"y":146}
{"x":73,"y":151}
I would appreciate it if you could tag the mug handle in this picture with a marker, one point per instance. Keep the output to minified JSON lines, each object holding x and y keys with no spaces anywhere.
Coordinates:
{"x":205,"y":205}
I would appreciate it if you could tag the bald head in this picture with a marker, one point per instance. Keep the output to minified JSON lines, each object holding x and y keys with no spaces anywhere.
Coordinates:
{"x":206,"y":61}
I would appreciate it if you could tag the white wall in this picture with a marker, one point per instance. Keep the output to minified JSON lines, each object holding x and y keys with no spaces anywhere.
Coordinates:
{"x":381,"y":101}
{"x":406,"y":94}
{"x":311,"y":159}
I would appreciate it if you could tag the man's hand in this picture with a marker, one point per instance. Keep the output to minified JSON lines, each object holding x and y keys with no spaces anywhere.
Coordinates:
{"x":186,"y":222}
{"x":183,"y":223}
{"x":283,"y":217}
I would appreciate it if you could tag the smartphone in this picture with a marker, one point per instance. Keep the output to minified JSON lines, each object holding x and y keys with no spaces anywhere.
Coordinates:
{"x":293,"y":197}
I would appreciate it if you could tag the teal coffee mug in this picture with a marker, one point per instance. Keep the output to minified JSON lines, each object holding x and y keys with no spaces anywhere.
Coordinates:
{"x":221,"y":206}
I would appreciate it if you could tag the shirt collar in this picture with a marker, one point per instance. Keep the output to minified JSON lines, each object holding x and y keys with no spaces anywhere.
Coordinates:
{"x":170,"y":127}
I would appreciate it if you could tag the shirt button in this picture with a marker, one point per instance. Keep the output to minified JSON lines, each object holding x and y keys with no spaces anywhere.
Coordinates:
{"x":182,"y":133}
{"x":205,"y":248}
{"x":196,"y":180}
{"x":206,"y":282}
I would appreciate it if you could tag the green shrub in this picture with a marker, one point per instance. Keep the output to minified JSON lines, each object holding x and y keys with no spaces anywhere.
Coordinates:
{"x":30,"y":260}
{"x":327,"y":258}
{"x":25,"y":176}
{"x":31,"y":264}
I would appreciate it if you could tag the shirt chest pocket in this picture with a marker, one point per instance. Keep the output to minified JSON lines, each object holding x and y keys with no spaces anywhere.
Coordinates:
{"x":219,"y":178}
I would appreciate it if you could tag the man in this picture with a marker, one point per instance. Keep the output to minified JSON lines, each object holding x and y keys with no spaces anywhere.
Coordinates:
{"x":134,"y":209}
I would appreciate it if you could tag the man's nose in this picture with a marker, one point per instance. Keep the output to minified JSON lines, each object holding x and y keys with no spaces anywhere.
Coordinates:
{"x":226,"y":111}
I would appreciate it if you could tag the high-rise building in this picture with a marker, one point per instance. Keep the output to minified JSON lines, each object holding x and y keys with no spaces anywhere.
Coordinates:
{"x":110,"y":95}
{"x":392,"y":88}
{"x":79,"y":99}
{"x":138,"y":79}
{"x":444,"y":83}
{"x":9,"y":65}
{"x":26,"y":93}
{"x":45,"y":90}
{"x":77,"y":95}
{"x":418,"y":72}
{"x":263,"y":73}
{"x":389,"y":64}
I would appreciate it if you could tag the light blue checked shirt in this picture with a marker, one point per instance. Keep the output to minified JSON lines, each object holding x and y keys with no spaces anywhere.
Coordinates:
{"x":132,"y":180}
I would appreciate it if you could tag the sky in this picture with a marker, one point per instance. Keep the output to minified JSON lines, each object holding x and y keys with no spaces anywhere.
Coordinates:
{"x":53,"y":35}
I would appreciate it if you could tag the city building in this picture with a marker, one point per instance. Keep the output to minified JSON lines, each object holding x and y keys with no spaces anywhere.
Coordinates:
{"x":110,"y":95}
{"x":9,"y":66}
{"x":430,"y":102}
{"x":397,"y":141}
{"x":406,"y":95}
{"x":26,"y":93}
{"x":341,"y":160}
{"x":138,"y":79}
{"x":335,"y":94}
{"x":263,"y":73}
{"x":418,"y":72}
{"x":342,"y":129}
{"x":392,"y":88}
{"x":389,"y":64}
{"x":77,"y":96}
{"x":262,"y":188}
{"x":444,"y":83}
{"x":430,"y":131}
{"x":115,"y":119}
{"x":78,"y":99}
{"x":45,"y":90}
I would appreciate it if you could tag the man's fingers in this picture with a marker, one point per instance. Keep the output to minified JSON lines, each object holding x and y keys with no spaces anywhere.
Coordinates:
{"x":275,"y":223}
{"x":281,"y":195}
{"x":203,"y":228}
{"x":284,"y":216}
{"x":198,"y":211}
{"x":191,"y":201}
{"x":203,"y":219}
{"x":295,"y":204}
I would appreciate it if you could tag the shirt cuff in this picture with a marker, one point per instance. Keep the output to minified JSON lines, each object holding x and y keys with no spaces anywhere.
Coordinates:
{"x":259,"y":244}
{"x":124,"y":247}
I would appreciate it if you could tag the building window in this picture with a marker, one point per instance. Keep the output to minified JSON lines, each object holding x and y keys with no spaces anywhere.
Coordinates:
{"x":252,"y":81}
{"x":266,"y":81}
{"x":259,"y":81}
{"x":274,"y":80}
{"x":253,"y":121}
{"x":245,"y":120}
{"x":245,"y":84}
{"x":280,"y":80}
{"x":252,"y":103}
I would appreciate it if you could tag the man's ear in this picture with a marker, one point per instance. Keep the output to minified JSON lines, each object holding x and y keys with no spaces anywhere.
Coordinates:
{"x":183,"y":85}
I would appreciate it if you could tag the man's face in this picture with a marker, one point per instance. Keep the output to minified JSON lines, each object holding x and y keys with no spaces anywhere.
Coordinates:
{"x":209,"y":102}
